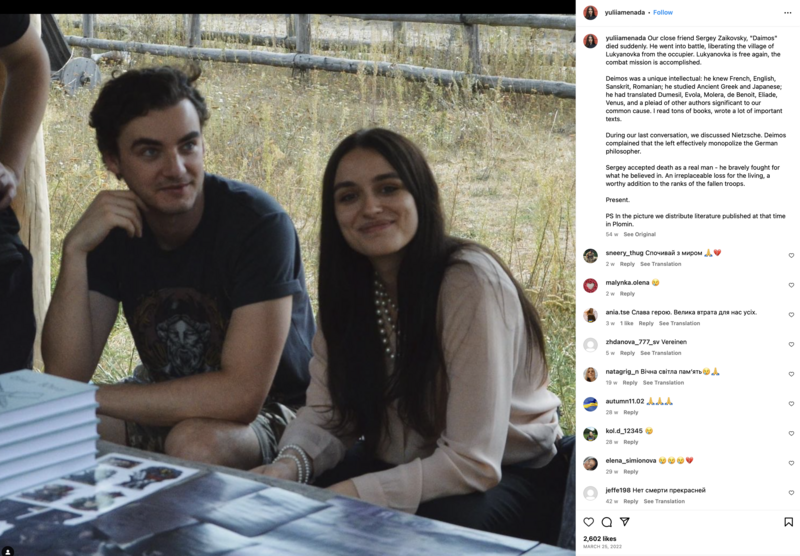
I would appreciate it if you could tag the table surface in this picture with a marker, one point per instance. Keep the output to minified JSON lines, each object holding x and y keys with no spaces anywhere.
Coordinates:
{"x":309,"y":491}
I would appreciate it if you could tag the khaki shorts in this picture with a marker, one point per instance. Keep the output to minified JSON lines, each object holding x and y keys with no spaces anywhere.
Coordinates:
{"x":268,"y":426}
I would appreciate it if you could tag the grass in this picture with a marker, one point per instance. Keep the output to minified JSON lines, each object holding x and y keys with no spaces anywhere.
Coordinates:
{"x":505,"y":162}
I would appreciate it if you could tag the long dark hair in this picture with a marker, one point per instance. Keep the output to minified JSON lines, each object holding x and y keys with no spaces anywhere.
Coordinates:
{"x":360,"y":384}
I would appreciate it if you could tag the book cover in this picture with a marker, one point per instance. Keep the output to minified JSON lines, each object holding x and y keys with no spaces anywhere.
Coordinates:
{"x":58,"y":435}
{"x":21,"y":464}
{"x":51,"y":470}
{"x":41,"y":425}
{"x":28,"y":395}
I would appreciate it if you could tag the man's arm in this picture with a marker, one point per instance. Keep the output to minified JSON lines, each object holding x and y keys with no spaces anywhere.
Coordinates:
{"x":250,"y":356}
{"x":28,"y":80}
{"x":78,"y":321}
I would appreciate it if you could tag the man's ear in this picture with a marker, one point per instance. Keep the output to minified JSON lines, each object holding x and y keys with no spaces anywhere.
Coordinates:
{"x":112,"y":163}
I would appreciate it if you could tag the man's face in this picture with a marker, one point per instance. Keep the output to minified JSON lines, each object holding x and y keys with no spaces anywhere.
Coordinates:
{"x":161,"y":159}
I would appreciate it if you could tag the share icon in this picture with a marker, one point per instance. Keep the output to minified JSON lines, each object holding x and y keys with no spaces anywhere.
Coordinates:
{"x":624,"y":521}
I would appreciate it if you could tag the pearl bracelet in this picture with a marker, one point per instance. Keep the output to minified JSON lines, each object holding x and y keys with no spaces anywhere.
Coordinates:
{"x":303,"y":456}
{"x":303,"y":468}
{"x":300,"y":469}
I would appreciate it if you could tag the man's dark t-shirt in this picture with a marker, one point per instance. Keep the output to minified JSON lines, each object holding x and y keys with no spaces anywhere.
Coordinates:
{"x":178,"y":303}
{"x":12,"y":27}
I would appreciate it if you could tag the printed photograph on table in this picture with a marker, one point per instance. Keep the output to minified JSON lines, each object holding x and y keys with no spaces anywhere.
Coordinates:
{"x":48,"y":493}
{"x":121,"y":462}
{"x":100,"y":489}
{"x":93,"y":476}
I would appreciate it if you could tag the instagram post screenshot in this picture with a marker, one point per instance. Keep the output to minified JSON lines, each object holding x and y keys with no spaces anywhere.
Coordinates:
{"x":687,"y":279}
{"x":375,"y":284}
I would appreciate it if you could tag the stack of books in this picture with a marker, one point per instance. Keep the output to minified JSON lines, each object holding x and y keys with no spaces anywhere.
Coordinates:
{"x":48,"y":428}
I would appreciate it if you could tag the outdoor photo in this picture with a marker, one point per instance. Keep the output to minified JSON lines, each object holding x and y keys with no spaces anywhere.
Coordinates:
{"x":376,"y":213}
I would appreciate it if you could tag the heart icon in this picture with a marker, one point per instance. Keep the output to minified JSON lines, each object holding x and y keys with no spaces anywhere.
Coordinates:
{"x":588,"y":521}
{"x":791,"y":403}
{"x":717,"y":252}
{"x":791,"y":462}
{"x":689,"y":460}
{"x":791,"y":433}
{"x":590,"y":286}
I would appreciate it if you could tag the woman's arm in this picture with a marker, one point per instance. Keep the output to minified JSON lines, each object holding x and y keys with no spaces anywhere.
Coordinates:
{"x":310,"y":429}
{"x":484,"y":342}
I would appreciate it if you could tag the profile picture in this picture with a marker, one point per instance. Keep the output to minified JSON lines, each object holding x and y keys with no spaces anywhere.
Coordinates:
{"x":590,"y":464}
{"x":590,"y":315}
{"x":590,"y":345}
{"x":590,"y":12}
{"x":590,"y":374}
{"x":590,"y":434}
{"x":590,"y":404}
{"x":590,"y":285}
{"x":590,"y":41}
{"x":590,"y":256}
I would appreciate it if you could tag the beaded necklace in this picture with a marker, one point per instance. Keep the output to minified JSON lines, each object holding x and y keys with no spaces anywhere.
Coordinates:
{"x":386,"y":325}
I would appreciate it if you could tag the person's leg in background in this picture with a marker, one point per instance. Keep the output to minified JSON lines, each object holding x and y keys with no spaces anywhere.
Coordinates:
{"x":527,"y":503}
{"x":17,"y":322}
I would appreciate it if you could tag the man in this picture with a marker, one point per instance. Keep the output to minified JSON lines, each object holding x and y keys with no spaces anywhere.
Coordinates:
{"x":209,"y":275}
{"x":27,"y":69}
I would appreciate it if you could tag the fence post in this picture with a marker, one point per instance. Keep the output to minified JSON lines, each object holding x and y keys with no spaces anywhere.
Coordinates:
{"x":471,"y":36}
{"x":289,"y":25}
{"x":303,"y":28}
{"x":398,"y":32}
{"x":88,"y":33}
{"x":183,"y":20}
{"x":194,"y":30}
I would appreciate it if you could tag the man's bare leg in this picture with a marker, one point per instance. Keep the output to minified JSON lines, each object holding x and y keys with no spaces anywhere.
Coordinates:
{"x":112,"y":429}
{"x":215,"y":442}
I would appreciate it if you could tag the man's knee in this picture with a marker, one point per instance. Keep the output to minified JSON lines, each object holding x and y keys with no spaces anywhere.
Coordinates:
{"x":213,"y":441}
{"x":196,"y":440}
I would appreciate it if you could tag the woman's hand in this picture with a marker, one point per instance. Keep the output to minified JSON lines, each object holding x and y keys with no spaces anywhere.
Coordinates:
{"x":285,"y":469}
{"x":345,"y":488}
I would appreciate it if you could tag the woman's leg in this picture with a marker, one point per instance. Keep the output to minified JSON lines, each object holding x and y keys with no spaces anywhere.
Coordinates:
{"x":527,"y":503}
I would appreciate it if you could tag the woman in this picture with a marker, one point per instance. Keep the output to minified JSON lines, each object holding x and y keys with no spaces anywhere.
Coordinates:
{"x":590,"y":13}
{"x":427,"y":348}
{"x":590,"y":374}
{"x":590,"y":41}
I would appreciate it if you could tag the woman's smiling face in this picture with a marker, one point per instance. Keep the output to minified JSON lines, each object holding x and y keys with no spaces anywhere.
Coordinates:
{"x":375,"y":210}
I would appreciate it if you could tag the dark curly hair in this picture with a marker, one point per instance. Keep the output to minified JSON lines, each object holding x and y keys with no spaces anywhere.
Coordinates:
{"x":134,"y":93}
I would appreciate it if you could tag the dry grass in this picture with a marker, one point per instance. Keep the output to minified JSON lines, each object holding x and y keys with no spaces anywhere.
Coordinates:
{"x":505,"y":162}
